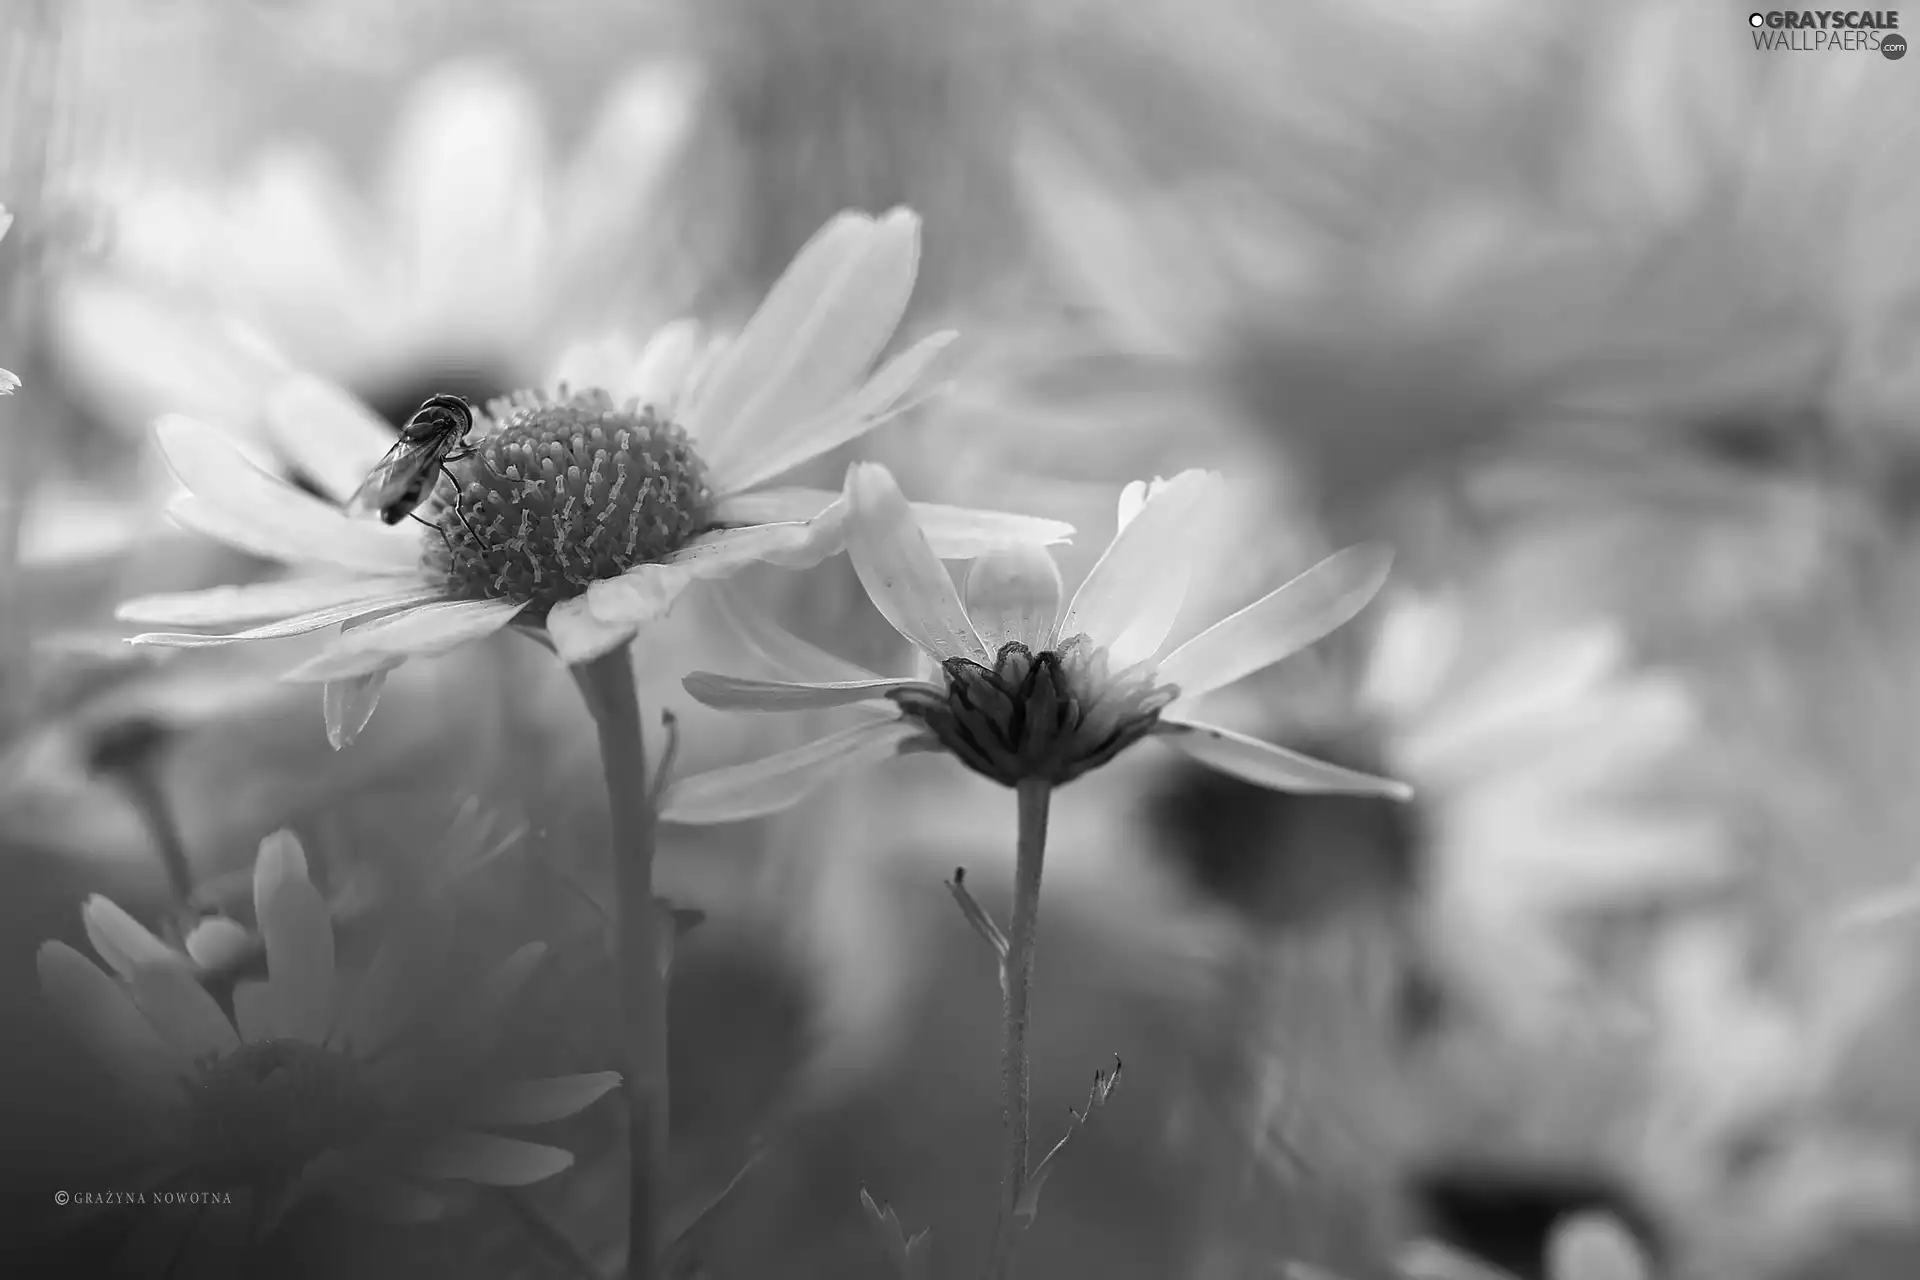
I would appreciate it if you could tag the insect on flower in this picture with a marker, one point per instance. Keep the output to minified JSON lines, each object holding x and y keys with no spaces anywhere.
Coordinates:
{"x":434,"y":436}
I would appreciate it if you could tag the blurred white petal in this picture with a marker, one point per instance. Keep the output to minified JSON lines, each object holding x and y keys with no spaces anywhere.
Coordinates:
{"x":486,"y":1159}
{"x":1013,"y":594}
{"x":1133,"y":595}
{"x":123,"y":942}
{"x":273,"y":514}
{"x":1267,"y":765}
{"x":422,"y":631}
{"x":540,"y":1101}
{"x":220,"y":606}
{"x":410,"y":599}
{"x":182,"y":1012}
{"x":772,"y":783}
{"x":742,"y":693}
{"x":328,"y":435}
{"x":217,"y":941}
{"x":297,"y":931}
{"x":1594,"y":1246}
{"x":1279,"y":624}
{"x":101,"y":1013}
{"x":256,"y":1012}
{"x":821,"y":317}
{"x":787,"y":656}
{"x":890,"y":392}
{"x":466,"y":181}
{"x":347,"y":705}
{"x":578,"y":636}
{"x":903,"y":577}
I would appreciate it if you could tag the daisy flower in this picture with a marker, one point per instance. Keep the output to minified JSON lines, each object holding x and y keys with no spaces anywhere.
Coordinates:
{"x":477,"y":254}
{"x":312,"y":1085}
{"x":1020,"y":690}
{"x":583,"y":513}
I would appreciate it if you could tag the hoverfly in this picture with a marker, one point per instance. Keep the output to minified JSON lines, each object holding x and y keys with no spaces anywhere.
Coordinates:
{"x":406,"y":477}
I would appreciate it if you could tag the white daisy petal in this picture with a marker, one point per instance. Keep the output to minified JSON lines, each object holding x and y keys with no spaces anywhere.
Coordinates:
{"x":99,"y":1012}
{"x":418,"y":632}
{"x":833,"y":348}
{"x":902,"y":575}
{"x":786,"y":655}
{"x":300,"y":624}
{"x":648,"y":591}
{"x":298,"y":933}
{"x":1266,"y":765}
{"x":229,"y":493}
{"x":636,"y":138}
{"x":120,"y":940}
{"x":347,"y":705}
{"x":954,"y":533}
{"x":289,"y":597}
{"x":766,"y":344}
{"x":740,"y":693}
{"x":181,"y":1010}
{"x":256,"y":1012}
{"x":217,"y":941}
{"x":1013,"y":594}
{"x":328,"y":435}
{"x":779,"y":781}
{"x":540,"y":1101}
{"x":485,"y":1158}
{"x":578,"y":636}
{"x":1594,"y":1246}
{"x":660,"y":376}
{"x":466,"y":185}
{"x":883,"y":397}
{"x":1133,"y":596}
{"x":1281,"y":623}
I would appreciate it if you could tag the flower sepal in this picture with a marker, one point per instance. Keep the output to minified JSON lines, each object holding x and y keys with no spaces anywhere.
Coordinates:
{"x":1047,"y":717}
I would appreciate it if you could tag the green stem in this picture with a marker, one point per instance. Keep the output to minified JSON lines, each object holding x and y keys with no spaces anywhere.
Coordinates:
{"x":606,"y":683}
{"x":1017,"y":988}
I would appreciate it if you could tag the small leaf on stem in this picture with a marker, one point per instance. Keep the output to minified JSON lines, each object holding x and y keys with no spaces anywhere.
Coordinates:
{"x":689,"y":1215}
{"x":910,"y":1254}
{"x":976,"y":914}
{"x":668,"y":754}
{"x":1103,"y":1086}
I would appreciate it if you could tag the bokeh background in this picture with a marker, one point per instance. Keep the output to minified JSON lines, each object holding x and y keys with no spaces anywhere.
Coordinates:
{"x":1603,"y":316}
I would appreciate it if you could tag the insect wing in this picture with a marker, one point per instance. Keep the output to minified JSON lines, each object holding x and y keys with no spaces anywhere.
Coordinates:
{"x":392,"y":477}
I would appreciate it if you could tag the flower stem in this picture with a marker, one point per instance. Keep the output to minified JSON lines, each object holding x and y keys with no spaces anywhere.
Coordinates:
{"x":1017,"y":987}
{"x":606,"y":683}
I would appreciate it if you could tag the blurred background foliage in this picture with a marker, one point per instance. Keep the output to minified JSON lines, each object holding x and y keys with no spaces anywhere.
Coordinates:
{"x":1604,"y":317}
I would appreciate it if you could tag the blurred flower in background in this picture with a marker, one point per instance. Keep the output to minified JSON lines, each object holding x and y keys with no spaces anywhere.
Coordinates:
{"x":306,"y":1088}
{"x":477,"y":260}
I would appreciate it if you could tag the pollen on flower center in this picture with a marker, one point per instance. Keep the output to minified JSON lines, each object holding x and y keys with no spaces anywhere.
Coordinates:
{"x":1049,"y":716}
{"x":266,"y":1109}
{"x":567,"y":490}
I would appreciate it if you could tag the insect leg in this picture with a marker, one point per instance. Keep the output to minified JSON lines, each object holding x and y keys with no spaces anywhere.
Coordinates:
{"x":460,"y":515}
{"x":414,"y":516}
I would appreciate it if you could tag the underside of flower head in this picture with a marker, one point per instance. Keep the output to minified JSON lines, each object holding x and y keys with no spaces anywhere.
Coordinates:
{"x":1062,"y":691}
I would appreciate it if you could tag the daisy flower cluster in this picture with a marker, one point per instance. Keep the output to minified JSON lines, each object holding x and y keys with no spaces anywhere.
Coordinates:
{"x":311,"y":1081}
{"x":580,"y":512}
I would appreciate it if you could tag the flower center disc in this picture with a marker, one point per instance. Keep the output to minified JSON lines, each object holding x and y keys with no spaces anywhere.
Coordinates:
{"x":565,"y":492}
{"x":267,"y":1109}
